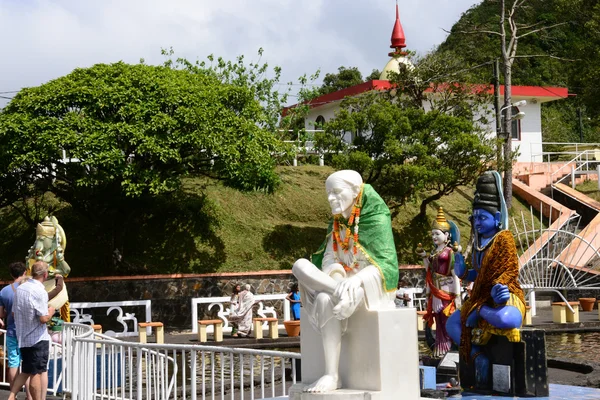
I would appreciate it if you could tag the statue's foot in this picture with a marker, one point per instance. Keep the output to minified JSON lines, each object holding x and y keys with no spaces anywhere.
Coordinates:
{"x":326,"y":383}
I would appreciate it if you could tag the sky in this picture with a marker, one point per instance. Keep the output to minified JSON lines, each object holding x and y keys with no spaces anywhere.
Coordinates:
{"x":45,"y":39}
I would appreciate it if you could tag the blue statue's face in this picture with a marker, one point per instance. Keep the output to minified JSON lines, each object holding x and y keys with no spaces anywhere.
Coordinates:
{"x":485,"y":223}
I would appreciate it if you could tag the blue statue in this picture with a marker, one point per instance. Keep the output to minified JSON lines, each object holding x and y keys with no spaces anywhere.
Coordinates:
{"x":497,"y":303}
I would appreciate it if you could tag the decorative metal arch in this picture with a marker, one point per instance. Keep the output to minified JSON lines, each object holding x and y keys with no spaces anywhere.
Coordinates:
{"x":556,"y":258}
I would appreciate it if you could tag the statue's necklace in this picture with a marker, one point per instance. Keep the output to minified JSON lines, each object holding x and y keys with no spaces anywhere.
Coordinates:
{"x":434,"y":253}
{"x":480,"y":252}
{"x":352,"y":222}
{"x":486,"y":245}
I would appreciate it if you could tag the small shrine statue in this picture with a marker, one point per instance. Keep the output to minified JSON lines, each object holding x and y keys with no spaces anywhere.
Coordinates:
{"x":443,"y":286}
{"x":50,"y":244}
{"x":356,"y":266}
{"x":497,"y":304}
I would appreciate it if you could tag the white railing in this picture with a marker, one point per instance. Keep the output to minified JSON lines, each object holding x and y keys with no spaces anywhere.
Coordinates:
{"x":54,"y":379}
{"x":223,"y":307}
{"x":575,"y":148}
{"x":101,"y":367}
{"x":575,"y":166}
{"x":96,"y":366}
{"x":114,"y":308}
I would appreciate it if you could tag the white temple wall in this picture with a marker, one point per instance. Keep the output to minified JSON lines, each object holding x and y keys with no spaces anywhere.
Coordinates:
{"x":529,"y":144}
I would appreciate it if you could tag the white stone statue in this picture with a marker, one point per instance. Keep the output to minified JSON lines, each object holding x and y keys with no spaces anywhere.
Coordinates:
{"x":356,"y":268}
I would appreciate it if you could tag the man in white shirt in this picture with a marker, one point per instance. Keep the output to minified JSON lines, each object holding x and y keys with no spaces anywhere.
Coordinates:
{"x":31,"y":312}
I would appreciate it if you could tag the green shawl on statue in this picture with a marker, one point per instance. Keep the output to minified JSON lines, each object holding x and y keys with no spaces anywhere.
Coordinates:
{"x":375,"y":238}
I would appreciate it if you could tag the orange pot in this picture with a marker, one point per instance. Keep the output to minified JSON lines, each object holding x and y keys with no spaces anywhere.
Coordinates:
{"x":292,"y":328}
{"x":587,"y":303}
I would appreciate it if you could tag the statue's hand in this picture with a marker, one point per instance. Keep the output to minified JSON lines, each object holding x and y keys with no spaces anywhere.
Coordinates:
{"x":472,"y":319}
{"x":348,"y":288}
{"x":500,"y":293}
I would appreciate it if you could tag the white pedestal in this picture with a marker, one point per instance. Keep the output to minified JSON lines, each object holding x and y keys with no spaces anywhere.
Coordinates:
{"x":379,"y":357}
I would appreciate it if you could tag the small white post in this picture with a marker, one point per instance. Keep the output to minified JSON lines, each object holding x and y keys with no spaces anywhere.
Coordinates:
{"x":573,"y":177}
{"x":295,"y":161}
{"x":532,"y":303}
{"x":321,"y":160}
{"x":598,"y":175}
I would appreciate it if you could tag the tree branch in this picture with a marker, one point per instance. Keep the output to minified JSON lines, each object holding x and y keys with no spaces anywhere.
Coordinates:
{"x":475,"y":31}
{"x":546,"y":55}
{"x":542,"y":29}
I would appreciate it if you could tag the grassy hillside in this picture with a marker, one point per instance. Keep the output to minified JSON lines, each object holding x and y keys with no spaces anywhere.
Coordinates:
{"x":212,"y":228}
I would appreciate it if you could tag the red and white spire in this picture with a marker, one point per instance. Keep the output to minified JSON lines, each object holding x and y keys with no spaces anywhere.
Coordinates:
{"x":399,"y":56}
{"x":398,"y":38}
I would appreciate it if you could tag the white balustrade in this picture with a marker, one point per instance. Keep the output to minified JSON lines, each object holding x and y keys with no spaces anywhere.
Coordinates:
{"x":223,"y":307}
{"x":102,"y":367}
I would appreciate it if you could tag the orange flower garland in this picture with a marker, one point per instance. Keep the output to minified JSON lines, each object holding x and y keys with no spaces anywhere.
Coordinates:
{"x":352,"y":222}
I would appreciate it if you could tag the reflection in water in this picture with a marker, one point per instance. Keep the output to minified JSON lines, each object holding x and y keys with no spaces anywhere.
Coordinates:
{"x":575,"y":346}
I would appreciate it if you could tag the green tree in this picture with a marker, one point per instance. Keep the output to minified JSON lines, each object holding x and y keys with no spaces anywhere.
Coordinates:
{"x":101,"y":138}
{"x":373,"y":76}
{"x":404,"y":151}
{"x":344,"y":78}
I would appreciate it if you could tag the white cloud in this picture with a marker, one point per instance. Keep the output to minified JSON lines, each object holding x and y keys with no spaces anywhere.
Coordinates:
{"x":45,"y":39}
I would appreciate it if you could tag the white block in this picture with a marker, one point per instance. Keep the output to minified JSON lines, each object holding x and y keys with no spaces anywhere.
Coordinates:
{"x":379,"y":354}
{"x":501,"y":378}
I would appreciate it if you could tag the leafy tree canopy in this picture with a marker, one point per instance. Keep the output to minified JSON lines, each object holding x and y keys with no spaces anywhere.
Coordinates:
{"x":403,"y":150}
{"x":131,"y":130}
{"x":345,"y":77}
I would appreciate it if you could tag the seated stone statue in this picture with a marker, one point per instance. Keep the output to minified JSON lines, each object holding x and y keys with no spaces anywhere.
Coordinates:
{"x":356,"y":265}
{"x":443,"y":286}
{"x":49,"y":246}
{"x":497,"y":304}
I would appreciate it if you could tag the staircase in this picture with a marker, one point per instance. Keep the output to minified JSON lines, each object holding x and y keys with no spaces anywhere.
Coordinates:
{"x":564,"y":255}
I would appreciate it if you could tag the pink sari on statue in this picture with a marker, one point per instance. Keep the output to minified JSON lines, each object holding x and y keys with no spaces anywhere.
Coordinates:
{"x":440,"y":303}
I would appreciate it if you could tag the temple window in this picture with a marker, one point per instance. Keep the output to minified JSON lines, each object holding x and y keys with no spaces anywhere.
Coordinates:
{"x":319,"y":122}
{"x":516,"y":125}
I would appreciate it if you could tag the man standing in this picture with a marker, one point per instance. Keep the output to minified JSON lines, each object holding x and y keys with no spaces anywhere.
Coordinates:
{"x":31,"y":312}
{"x":17,"y":271}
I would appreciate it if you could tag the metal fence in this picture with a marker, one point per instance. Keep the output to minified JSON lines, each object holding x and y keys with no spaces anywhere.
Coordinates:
{"x":96,"y":366}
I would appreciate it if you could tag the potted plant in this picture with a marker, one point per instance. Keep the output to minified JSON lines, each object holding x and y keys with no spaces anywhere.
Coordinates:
{"x":587,"y":303}
{"x":292,"y":328}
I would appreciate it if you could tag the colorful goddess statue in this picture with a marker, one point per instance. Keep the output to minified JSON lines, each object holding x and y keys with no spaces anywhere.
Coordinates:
{"x":496,"y":305}
{"x":356,"y":266}
{"x":443,"y":286}
{"x":49,"y":246}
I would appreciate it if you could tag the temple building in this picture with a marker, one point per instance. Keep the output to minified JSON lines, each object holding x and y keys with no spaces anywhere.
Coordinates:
{"x":527,"y":132}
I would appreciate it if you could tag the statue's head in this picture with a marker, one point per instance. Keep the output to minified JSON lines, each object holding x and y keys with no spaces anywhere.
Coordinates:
{"x":45,"y":229}
{"x":489,"y":209}
{"x":45,"y":232}
{"x":440,"y":229}
{"x":342,"y":189}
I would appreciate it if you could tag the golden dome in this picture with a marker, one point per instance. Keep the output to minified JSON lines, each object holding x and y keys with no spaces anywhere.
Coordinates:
{"x":394,"y":66}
